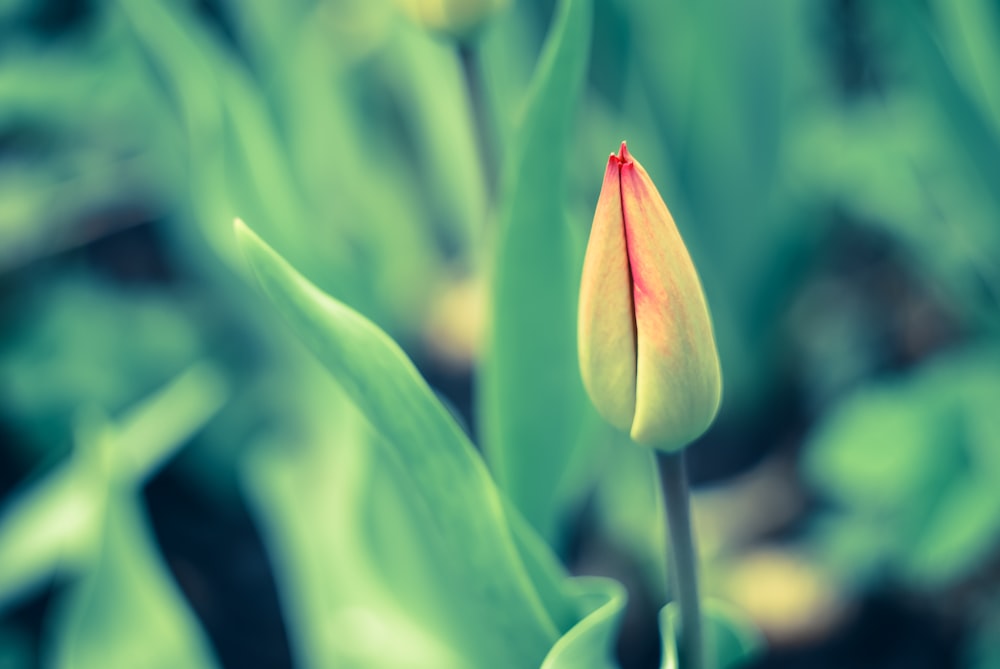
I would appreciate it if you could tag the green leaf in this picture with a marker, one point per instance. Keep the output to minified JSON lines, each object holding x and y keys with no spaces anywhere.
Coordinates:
{"x":912,"y":463}
{"x":971,"y":30}
{"x":358,"y":583}
{"x":459,"y":514}
{"x":88,"y":342}
{"x":266,"y":135}
{"x":960,"y":533}
{"x":126,"y":612}
{"x":629,"y":506}
{"x":532,"y":401}
{"x":731,"y":640}
{"x":590,"y":644}
{"x":151,"y":432}
{"x":881,"y":449}
{"x":44,"y":531}
{"x":52,"y":526}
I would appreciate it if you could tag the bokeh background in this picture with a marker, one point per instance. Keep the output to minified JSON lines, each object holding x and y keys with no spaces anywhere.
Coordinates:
{"x":834,"y":166}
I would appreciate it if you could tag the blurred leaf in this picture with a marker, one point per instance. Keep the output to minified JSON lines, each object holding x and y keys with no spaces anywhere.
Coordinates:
{"x":630,"y":509}
{"x":427,"y":75}
{"x":80,"y":341}
{"x":532,"y":400}
{"x":461,"y":515}
{"x":913,"y":462}
{"x":86,"y":149}
{"x":508,"y":48}
{"x":52,"y":526}
{"x":881,"y":451}
{"x":590,"y":643}
{"x":920,"y":159}
{"x":731,"y":640}
{"x":269,"y":138}
{"x":971,"y":32}
{"x":46,"y":530}
{"x":152,"y":430}
{"x":961,"y":532}
{"x":126,"y":613}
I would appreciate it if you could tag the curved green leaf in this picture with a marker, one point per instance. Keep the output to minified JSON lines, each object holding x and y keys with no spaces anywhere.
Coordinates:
{"x":358,"y":585}
{"x":461,"y":515}
{"x":590,"y":644}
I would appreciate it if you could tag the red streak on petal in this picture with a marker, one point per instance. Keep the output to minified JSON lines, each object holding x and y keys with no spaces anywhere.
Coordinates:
{"x":633,"y":265}
{"x":622,"y":157}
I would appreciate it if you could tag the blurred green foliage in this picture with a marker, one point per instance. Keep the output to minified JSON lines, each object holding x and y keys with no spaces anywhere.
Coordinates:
{"x":85,"y":519}
{"x":912,"y":465}
{"x":353,"y":142}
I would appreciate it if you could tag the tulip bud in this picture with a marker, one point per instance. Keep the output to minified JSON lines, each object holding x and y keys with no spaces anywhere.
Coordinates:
{"x":455,"y":18}
{"x":647,"y":352}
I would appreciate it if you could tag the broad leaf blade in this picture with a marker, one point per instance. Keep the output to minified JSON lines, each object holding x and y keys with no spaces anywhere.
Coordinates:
{"x":358,"y":584}
{"x":462,"y":515}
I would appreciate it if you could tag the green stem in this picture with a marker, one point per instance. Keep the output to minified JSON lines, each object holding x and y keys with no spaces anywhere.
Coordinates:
{"x":469,"y":57}
{"x":684,"y":564}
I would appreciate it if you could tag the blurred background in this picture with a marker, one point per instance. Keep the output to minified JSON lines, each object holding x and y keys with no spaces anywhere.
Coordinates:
{"x":834,"y":166}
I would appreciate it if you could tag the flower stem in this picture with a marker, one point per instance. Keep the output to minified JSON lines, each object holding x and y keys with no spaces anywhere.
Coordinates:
{"x":469,"y":57}
{"x":683,"y":562}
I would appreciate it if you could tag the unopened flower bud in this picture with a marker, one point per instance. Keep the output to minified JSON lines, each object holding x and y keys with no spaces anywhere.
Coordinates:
{"x":647,"y":351}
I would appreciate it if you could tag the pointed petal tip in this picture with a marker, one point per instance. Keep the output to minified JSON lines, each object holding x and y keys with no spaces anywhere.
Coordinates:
{"x":623,"y":155}
{"x":622,"y":158}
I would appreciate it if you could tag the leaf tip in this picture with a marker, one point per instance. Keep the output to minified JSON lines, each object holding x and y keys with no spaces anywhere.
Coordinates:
{"x":243,"y":232}
{"x":258,"y":254}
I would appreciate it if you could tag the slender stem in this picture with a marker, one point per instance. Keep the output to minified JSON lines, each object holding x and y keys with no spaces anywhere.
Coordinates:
{"x":684,"y":565}
{"x":469,"y":57}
